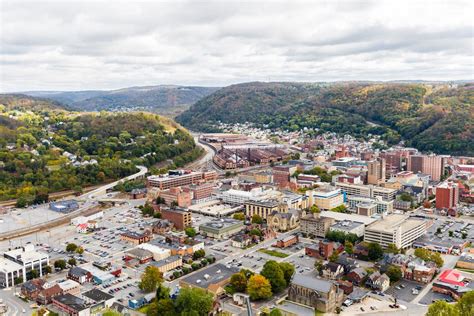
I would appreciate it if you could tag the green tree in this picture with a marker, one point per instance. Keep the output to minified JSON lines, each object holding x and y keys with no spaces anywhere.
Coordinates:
{"x":441,"y":308}
{"x":272,"y":272}
{"x":334,"y":256}
{"x":150,"y":279}
{"x":465,"y":304}
{"x":275,"y":312}
{"x":71,"y":247}
{"x":239,"y":216}
{"x":162,"y":292}
{"x":349,"y":247}
{"x":319,"y":265}
{"x":190,"y":232}
{"x":72,"y":262}
{"x":255,"y":232}
{"x":257,"y":219}
{"x":394,"y":273}
{"x":199,"y":254}
{"x":392,"y":248}
{"x":288,"y":271}
{"x":375,"y":251}
{"x":47,"y":270}
{"x":60,"y":264}
{"x":34,"y":274}
{"x":162,"y":307}
{"x":80,"y":250}
{"x":21,"y":202}
{"x":314,"y":209}
{"x":259,"y":288}
{"x":238,"y":281}
{"x":194,"y":301}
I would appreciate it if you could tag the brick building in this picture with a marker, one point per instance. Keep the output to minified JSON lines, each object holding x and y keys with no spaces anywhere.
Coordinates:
{"x":181,"y":219}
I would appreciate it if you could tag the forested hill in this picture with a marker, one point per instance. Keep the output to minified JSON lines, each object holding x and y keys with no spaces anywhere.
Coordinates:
{"x":45,"y":149}
{"x":165,"y":99}
{"x":438,"y":117}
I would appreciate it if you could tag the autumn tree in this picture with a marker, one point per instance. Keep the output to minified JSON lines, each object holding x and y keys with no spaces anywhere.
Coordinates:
{"x":259,"y":287}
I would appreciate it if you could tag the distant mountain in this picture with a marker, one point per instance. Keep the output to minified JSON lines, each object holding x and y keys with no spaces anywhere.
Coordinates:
{"x":165,"y":99}
{"x":431,"y":117}
{"x":23,"y":102}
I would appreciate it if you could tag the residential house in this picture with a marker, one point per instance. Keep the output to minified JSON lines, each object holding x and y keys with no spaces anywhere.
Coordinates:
{"x":357,"y":276}
{"x":333,"y":271}
{"x":377,"y":281}
{"x":80,"y":275}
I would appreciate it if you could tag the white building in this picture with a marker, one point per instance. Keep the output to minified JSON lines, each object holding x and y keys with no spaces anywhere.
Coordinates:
{"x":397,"y":229}
{"x":29,"y":258}
{"x":233,"y":196}
{"x":9,"y":270}
{"x":158,"y":252}
{"x":382,"y":205}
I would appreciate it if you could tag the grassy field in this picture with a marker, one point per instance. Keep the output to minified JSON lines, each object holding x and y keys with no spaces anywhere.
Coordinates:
{"x":274,"y":253}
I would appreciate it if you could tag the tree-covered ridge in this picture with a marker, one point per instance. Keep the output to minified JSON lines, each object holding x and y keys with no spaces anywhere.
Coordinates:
{"x":44,"y":149}
{"x":435,"y":118}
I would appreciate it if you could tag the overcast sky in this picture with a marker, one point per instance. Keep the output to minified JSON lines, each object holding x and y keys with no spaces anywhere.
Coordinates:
{"x":77,"y":45}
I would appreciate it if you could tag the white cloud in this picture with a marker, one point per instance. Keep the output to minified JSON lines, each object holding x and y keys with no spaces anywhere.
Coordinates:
{"x":64,"y":45}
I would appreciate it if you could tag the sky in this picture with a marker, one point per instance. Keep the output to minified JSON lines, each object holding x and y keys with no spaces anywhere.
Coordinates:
{"x":79,"y":45}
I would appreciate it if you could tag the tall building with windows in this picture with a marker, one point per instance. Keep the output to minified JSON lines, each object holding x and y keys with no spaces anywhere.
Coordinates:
{"x":428,"y":164}
{"x":447,"y":195}
{"x":376,"y":171}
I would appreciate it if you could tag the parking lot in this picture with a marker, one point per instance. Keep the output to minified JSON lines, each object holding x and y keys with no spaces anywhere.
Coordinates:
{"x":405,"y":290}
{"x":431,"y":296}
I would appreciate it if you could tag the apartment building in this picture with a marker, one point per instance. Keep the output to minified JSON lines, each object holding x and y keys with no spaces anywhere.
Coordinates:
{"x":376,"y":171}
{"x":176,"y":195}
{"x":382,"y":206}
{"x":262,"y":208}
{"x":179,"y":178}
{"x":325,"y":198}
{"x":428,"y":164}
{"x":397,"y":229}
{"x":181,"y":219}
{"x":370,"y":191}
{"x":315,"y":225}
{"x":447,"y":195}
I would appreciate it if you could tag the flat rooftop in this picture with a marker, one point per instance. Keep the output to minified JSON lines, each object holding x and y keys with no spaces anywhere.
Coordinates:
{"x":352,"y":217}
{"x":347,"y":225}
{"x":9,"y":266}
{"x":210,"y":275}
{"x":393,"y":221}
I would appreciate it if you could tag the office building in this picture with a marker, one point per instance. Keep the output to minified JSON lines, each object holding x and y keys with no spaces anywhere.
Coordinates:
{"x":370,"y":191}
{"x":396,"y":229}
{"x":376,"y":171}
{"x":325,"y":198}
{"x":221,"y":228}
{"x":262,"y":208}
{"x":9,"y":271}
{"x":315,"y":225}
{"x":447,"y":195}
{"x":179,"y":178}
{"x":428,"y":164}
{"x":349,"y":227}
{"x":213,"y":279}
{"x":181,"y":219}
{"x":29,"y":258}
{"x":382,"y":206}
